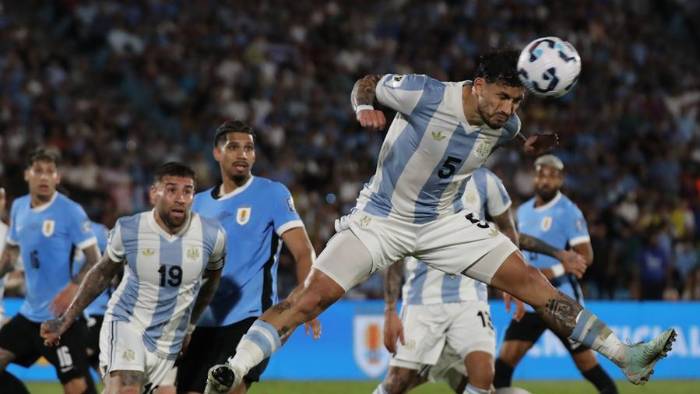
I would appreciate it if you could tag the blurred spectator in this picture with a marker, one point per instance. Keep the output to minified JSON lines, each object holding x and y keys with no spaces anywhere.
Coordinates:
{"x":654,"y":268}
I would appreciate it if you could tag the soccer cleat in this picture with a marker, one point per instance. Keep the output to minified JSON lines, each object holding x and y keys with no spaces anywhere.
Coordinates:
{"x":220,"y":379}
{"x":639,"y":359}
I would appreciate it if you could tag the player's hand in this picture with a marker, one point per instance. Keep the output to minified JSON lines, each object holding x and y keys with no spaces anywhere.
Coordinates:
{"x":313,"y":328}
{"x":573,"y":263}
{"x":519,"y":306}
{"x":60,"y":303}
{"x":393,"y":330}
{"x":372,"y":119}
{"x":538,"y":144}
{"x":51,"y":331}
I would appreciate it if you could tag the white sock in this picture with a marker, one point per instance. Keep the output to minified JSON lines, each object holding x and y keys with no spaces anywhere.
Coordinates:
{"x":475,"y":390}
{"x":379,"y":389}
{"x":595,"y":334}
{"x":257,"y":344}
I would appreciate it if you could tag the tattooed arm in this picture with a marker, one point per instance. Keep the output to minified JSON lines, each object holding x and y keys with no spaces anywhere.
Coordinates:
{"x":63,"y":298}
{"x":393,"y":328}
{"x":94,"y":283}
{"x":8,"y":259}
{"x":362,"y":99}
{"x":571,"y":261}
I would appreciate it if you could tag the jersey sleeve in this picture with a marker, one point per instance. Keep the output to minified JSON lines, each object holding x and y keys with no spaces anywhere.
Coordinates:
{"x":284,"y":215}
{"x":218,"y":254}
{"x":497,"y":198}
{"x":577,"y":228}
{"x":12,"y":237}
{"x":115,"y":246}
{"x":403,"y":93}
{"x":80,"y":229}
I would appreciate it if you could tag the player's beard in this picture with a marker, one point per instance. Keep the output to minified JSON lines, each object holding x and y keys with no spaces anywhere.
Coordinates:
{"x":171,"y":222}
{"x":486,"y":118}
{"x":546,"y":195}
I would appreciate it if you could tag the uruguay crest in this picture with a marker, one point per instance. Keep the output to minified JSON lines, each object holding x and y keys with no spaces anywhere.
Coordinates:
{"x":368,"y":344}
{"x":243,"y":215}
{"x":546,"y":223}
{"x":48,"y":227}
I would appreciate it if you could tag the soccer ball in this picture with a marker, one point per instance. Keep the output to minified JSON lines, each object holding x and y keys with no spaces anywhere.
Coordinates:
{"x":549,"y":67}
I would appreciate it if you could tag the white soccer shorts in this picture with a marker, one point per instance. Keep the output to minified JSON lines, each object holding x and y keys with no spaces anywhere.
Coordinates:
{"x":441,"y":335}
{"x":122,"y":349}
{"x":453,"y":244}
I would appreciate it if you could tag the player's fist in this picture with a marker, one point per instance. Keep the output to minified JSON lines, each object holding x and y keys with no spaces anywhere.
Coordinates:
{"x":538,"y":144}
{"x":51,"y":331}
{"x":393,"y":330}
{"x":573,"y":263}
{"x":372,"y":119}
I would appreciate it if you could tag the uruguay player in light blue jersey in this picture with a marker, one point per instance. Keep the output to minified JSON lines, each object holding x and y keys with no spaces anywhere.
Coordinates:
{"x":445,"y":331}
{"x":441,"y":133}
{"x":259,"y":216}
{"x":45,"y":228}
{"x":552,"y":217}
{"x":172,"y":260}
{"x":94,"y":313}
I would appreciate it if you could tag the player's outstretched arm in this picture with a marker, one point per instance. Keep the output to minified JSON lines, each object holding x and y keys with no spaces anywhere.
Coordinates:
{"x":571,"y":261}
{"x":362,"y":99}
{"x":94,"y":283}
{"x":8,"y":259}
{"x":393,"y":328}
{"x":65,"y":296}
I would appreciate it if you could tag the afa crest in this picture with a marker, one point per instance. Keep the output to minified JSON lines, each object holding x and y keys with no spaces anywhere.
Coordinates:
{"x":48,"y":228}
{"x":243,"y":215}
{"x":193,"y":253}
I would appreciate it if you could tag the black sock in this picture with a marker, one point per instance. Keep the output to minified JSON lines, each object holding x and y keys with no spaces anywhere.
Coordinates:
{"x":504,"y":374}
{"x":9,"y":384}
{"x":601,"y":380}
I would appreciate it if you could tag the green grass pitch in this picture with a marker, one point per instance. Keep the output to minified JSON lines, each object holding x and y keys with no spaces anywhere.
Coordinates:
{"x":536,"y":387}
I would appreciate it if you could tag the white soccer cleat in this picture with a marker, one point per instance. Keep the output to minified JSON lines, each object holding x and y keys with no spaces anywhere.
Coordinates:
{"x":639,"y":360}
{"x":221,"y":378}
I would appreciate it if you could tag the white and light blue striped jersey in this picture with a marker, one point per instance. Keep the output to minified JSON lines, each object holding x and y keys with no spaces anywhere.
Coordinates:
{"x":429,"y":151}
{"x":483,"y":194}
{"x":47,"y":237}
{"x":559,"y":223}
{"x":162,"y":275}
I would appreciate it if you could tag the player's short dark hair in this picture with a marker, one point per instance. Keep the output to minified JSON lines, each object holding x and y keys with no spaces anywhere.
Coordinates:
{"x":173,"y":168}
{"x":43,"y":154}
{"x":499,"y":66}
{"x":231,"y":126}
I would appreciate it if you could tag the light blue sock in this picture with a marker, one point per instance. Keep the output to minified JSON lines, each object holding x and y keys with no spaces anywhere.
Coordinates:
{"x":595,"y":334}
{"x":257,"y":344}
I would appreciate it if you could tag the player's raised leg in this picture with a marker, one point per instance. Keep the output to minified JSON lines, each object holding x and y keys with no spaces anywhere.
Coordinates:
{"x":344,"y":263}
{"x":566,"y":317}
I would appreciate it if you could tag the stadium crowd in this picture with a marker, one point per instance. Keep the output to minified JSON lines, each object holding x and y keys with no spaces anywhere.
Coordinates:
{"x":122,"y":86}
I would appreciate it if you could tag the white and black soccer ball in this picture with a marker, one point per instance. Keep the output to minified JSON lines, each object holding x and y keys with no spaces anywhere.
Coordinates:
{"x":512,"y":390}
{"x":549,"y":67}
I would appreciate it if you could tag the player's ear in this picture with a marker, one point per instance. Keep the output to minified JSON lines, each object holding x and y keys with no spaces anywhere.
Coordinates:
{"x":217,"y":153}
{"x":26,"y":174}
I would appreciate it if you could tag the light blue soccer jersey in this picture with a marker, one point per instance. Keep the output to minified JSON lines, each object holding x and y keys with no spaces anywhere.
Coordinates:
{"x":254,"y":216}
{"x":559,"y":223}
{"x":46,"y":237}
{"x":99,"y":306}
{"x":429,"y":151}
{"x":162,"y":276}
{"x":484,"y":194}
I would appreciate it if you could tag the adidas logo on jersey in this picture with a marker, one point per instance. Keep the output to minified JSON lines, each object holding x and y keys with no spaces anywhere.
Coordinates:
{"x":438,"y":135}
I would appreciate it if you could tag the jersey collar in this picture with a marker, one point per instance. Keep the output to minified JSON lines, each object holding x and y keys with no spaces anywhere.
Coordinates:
{"x":235,"y":191}
{"x":43,"y":207}
{"x":170,"y":237}
{"x":550,"y":204}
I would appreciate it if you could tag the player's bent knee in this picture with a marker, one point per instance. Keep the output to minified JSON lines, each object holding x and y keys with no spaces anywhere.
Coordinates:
{"x":398,"y":380}
{"x":75,"y":386}
{"x":513,"y":351}
{"x":480,"y":369}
